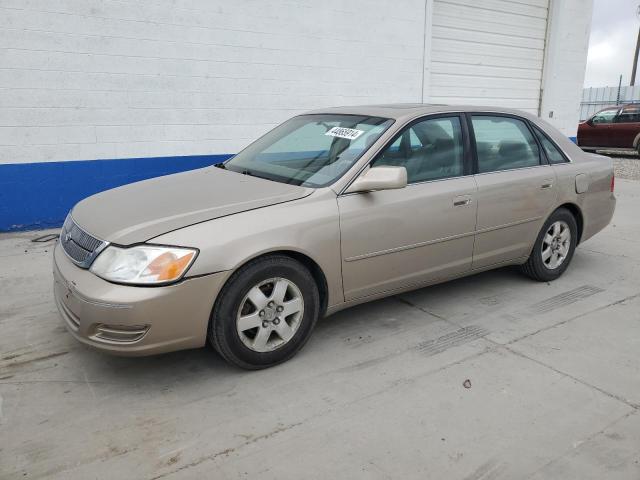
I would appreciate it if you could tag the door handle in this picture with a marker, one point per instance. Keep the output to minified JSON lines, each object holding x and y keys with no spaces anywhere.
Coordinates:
{"x":547,"y":183}
{"x":461,"y":201}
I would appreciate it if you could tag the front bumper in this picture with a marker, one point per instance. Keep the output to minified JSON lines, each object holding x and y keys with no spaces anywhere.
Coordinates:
{"x":128,"y":320}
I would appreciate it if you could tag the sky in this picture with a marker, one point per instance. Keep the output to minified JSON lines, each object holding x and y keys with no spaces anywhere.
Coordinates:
{"x":614,"y":31}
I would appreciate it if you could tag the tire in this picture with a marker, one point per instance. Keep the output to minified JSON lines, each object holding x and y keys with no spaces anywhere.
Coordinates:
{"x":541,"y":265}
{"x":247,"y":330}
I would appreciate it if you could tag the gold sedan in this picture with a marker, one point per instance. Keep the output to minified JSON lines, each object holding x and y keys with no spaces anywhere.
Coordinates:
{"x":330,"y":209}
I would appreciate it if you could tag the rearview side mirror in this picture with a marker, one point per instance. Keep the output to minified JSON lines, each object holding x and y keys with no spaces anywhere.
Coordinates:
{"x":380,"y":178}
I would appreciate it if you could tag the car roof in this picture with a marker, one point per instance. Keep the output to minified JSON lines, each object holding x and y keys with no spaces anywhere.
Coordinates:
{"x":402,"y":110}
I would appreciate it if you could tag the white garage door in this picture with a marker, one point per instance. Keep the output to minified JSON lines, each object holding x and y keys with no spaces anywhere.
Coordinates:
{"x":488,"y":53}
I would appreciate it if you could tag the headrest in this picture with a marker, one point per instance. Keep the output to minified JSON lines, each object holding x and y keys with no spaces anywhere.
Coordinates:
{"x":443,"y":143}
{"x":510,"y":147}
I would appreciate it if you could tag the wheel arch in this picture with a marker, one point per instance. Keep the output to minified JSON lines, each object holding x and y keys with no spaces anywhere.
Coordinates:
{"x":577,"y":214}
{"x":316,"y":272}
{"x":314,"y":268}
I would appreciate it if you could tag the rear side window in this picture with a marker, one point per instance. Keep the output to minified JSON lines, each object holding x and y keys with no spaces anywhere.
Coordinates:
{"x":553,"y":154}
{"x":503,"y":143}
{"x":629,"y":115}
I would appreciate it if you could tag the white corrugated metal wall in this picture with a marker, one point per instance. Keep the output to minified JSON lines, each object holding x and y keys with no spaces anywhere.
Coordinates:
{"x":489,"y":52}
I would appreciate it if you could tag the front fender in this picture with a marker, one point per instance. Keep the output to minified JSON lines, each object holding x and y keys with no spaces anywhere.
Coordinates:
{"x":309,"y":226}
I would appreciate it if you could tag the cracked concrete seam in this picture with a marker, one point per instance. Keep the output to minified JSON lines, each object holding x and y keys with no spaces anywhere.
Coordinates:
{"x":507,"y":346}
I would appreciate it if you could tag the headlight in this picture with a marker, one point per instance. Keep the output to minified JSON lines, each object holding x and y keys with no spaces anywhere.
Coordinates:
{"x":144,"y":264}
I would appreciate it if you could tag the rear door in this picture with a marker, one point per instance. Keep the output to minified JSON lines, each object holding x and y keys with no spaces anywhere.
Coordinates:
{"x":516,"y":188}
{"x":626,"y":128}
{"x":392,"y":239}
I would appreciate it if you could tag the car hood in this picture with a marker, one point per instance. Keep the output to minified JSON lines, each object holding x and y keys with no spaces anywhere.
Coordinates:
{"x":141,"y":211}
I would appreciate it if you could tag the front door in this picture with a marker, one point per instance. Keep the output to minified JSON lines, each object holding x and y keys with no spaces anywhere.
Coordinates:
{"x":516,"y":189}
{"x":598,"y":131}
{"x":627,"y":127}
{"x":399,"y":238}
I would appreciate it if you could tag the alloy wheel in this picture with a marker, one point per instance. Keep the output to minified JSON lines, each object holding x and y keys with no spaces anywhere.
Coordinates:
{"x":270,"y":314}
{"x":556,"y":245}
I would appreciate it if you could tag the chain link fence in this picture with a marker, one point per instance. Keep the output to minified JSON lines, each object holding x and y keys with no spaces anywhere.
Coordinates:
{"x":595,"y":99}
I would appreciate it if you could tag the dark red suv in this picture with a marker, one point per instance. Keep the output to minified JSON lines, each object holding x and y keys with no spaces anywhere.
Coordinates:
{"x":614,"y":127}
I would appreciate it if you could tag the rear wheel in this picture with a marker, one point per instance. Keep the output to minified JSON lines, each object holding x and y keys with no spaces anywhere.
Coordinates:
{"x":265,"y":313}
{"x":554,"y":247}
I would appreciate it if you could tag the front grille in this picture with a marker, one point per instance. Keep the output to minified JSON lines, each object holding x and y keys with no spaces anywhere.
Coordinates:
{"x":81,"y":247}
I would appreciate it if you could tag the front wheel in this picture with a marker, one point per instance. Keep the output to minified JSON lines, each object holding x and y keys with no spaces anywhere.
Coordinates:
{"x":554,"y":247}
{"x":265,"y":313}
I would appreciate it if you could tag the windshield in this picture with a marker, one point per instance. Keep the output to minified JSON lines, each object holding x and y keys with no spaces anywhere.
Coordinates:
{"x":310,"y":150}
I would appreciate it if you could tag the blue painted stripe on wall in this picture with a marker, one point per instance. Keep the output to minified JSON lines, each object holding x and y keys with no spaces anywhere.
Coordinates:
{"x":39,"y":195}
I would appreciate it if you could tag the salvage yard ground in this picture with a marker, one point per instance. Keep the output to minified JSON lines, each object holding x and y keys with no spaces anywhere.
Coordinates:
{"x":492,"y":376}
{"x":628,"y":168}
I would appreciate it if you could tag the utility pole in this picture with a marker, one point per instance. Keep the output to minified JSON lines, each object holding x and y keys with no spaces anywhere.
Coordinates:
{"x":635,"y":56}
{"x":620,"y":86}
{"x":635,"y":60}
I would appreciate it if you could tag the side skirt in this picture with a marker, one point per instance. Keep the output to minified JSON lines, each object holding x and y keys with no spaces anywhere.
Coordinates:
{"x":415,"y":286}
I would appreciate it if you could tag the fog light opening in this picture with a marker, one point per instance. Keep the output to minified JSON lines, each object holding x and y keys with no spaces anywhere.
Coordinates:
{"x":120,"y":333}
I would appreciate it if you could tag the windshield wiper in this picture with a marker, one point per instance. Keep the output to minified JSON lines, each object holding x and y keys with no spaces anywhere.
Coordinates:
{"x":244,"y":171}
{"x":250,"y":173}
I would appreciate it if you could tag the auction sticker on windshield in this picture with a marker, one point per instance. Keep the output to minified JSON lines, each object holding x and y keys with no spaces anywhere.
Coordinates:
{"x":342,"y":132}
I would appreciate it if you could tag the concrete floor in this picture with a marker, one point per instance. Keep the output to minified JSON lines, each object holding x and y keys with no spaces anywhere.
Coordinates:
{"x":378,"y":392}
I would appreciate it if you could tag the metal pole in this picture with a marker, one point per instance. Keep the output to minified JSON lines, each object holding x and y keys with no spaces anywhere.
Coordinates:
{"x":635,"y":60}
{"x":619,"y":87}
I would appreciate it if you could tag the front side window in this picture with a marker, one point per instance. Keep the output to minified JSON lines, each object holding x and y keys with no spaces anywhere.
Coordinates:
{"x":430,"y":150}
{"x":503,"y":143}
{"x":606,"y":116}
{"x":310,"y":150}
{"x":553,"y":154}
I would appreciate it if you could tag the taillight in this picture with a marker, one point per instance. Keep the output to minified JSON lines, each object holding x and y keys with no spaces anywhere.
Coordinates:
{"x":613,"y":181}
